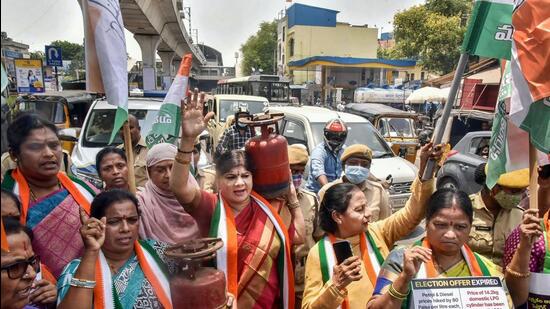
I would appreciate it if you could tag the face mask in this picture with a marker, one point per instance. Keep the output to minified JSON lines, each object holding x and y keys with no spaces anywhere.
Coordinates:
{"x":356,"y":174}
{"x":241,"y":125}
{"x":506,"y":200}
{"x":334,"y":146}
{"x":297,"y":180}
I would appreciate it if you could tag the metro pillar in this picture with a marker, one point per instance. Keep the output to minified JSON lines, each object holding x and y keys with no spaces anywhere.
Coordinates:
{"x":166,"y":57}
{"x":148,"y":44}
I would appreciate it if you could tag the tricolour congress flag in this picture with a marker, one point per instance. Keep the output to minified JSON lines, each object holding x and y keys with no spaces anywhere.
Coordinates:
{"x":106,"y":58}
{"x":509,"y":144}
{"x":530,"y":67}
{"x":489,"y":32}
{"x":166,"y":127}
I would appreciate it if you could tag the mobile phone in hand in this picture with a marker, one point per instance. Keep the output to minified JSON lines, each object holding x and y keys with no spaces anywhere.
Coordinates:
{"x":342,"y":250}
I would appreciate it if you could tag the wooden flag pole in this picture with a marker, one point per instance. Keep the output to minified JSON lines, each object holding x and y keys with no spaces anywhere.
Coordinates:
{"x":533,"y":178}
{"x":440,"y":129}
{"x":130,"y":156}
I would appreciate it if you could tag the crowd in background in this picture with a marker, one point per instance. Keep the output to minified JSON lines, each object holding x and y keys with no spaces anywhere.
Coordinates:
{"x":72,"y":245}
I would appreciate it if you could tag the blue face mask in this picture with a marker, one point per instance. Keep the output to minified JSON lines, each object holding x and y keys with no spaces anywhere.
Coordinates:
{"x":297,"y":180}
{"x":356,"y":174}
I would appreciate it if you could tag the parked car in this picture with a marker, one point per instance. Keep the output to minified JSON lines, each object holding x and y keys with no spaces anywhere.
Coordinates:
{"x":461,"y":162}
{"x":304,"y":125}
{"x":97,"y":129}
{"x":398,"y":127}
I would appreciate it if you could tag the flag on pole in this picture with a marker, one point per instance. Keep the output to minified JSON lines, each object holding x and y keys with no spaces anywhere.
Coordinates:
{"x":166,"y":127}
{"x":508,"y":144}
{"x":106,"y":58}
{"x":4,"y":240}
{"x":489,"y":32}
{"x":4,"y":79}
{"x":530,"y":67}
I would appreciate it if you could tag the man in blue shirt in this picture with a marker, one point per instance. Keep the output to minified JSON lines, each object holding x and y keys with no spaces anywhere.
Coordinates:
{"x":325,"y":165}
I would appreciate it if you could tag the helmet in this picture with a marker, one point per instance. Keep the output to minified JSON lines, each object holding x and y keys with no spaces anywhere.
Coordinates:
{"x":335,"y":133}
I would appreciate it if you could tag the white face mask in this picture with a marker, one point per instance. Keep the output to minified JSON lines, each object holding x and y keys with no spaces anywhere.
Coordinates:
{"x":356,"y":174}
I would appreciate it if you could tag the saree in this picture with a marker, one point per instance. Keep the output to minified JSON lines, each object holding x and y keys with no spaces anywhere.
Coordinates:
{"x":472,"y":265}
{"x":140,"y":283}
{"x":256,"y":254}
{"x":54,"y":219}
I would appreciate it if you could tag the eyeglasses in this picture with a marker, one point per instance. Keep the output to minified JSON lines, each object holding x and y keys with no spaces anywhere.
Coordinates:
{"x":19,"y":269}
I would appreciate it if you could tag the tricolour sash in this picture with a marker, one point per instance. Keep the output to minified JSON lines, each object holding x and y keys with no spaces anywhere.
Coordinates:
{"x":79,"y":190}
{"x":371,"y":256}
{"x":105,"y":295}
{"x":475,"y":264}
{"x":223,"y":226}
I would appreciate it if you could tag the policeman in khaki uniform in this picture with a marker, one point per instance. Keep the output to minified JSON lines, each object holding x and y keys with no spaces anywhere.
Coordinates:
{"x":139,"y":148}
{"x":496,"y":212}
{"x":356,"y":160}
{"x":298,"y":158}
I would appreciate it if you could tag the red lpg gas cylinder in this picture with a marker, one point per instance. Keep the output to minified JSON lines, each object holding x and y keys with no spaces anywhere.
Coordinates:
{"x":269,"y":156}
{"x":195,"y":286}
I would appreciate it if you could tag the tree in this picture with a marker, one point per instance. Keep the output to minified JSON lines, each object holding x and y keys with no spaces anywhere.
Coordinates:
{"x":38,"y":54}
{"x":70,"y":50}
{"x":73,"y":52}
{"x":258,"y":50}
{"x":431,"y":34}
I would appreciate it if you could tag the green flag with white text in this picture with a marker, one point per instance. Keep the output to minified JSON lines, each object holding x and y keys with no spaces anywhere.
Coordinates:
{"x":490,"y":30}
{"x":166,"y":126}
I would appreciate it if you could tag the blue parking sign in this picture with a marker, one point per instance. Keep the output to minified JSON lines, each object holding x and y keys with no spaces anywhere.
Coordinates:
{"x":53,"y":56}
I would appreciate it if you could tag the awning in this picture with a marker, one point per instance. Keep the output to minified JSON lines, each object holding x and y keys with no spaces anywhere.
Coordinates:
{"x":352,"y":62}
{"x":488,"y":77}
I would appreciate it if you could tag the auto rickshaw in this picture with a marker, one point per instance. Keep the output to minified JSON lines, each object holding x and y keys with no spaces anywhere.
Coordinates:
{"x":66,"y":109}
{"x":398,"y":127}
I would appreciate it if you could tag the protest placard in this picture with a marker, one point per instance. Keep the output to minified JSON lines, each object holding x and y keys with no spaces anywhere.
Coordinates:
{"x":463,"y":292}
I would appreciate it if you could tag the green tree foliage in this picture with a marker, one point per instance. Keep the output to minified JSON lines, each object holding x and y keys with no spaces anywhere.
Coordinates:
{"x":449,"y":7}
{"x":431,"y":34}
{"x":69,"y":50}
{"x":73,"y":52}
{"x":259,"y":48}
{"x":37,"y":54}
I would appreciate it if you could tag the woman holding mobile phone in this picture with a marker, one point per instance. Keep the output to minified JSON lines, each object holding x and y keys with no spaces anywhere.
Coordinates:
{"x":344,"y":215}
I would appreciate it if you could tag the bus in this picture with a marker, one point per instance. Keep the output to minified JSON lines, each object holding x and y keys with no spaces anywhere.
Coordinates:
{"x":272,"y":87}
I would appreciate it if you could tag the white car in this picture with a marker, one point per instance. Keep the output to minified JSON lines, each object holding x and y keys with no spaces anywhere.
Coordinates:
{"x":305,"y":125}
{"x":97,"y":128}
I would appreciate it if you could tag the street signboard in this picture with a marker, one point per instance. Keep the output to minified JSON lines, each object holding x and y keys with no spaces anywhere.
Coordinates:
{"x":29,"y":75}
{"x":53,"y":56}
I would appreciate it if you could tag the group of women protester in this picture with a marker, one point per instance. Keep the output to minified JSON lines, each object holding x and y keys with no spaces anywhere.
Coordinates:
{"x":72,"y":246}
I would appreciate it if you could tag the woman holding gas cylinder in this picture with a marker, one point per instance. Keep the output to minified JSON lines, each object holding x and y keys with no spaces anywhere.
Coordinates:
{"x":256,"y":256}
{"x":344,"y":215}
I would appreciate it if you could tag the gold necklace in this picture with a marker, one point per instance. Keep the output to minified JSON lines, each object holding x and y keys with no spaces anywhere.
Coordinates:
{"x":440,"y":269}
{"x":34,"y":198}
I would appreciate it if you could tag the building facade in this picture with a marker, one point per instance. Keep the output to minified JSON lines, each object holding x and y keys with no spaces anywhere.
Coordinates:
{"x":330,"y":59}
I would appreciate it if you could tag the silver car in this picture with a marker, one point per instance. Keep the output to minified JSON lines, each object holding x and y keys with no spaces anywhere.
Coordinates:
{"x":462,"y":161}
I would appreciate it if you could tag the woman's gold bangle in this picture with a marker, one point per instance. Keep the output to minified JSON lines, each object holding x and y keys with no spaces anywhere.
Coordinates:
{"x":293,"y":205}
{"x":181,"y":160}
{"x":516,"y":274}
{"x":396,"y":294}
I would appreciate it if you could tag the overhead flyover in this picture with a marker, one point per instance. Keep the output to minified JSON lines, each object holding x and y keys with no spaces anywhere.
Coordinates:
{"x":157,"y":27}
